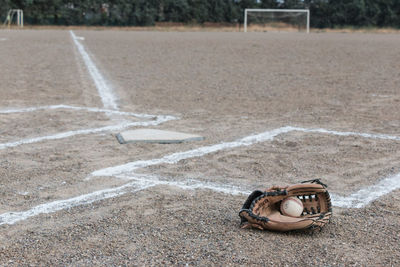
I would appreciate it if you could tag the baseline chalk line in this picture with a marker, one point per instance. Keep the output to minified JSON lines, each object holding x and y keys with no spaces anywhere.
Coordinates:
{"x":188,"y":184}
{"x":246,"y":141}
{"x":104,"y":89}
{"x":89,"y":109}
{"x":136,"y":184}
{"x":198,"y":152}
{"x":365,"y":135}
{"x":366,"y":195}
{"x":121,"y":126}
{"x":357,"y":200}
{"x":140,"y":182}
{"x":13,"y":217}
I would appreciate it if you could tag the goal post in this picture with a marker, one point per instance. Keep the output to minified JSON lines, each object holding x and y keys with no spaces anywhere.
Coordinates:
{"x":16,"y":15}
{"x":272,"y":15}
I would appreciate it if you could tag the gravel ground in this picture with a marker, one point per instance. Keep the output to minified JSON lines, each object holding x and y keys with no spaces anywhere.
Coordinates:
{"x":224,"y":86}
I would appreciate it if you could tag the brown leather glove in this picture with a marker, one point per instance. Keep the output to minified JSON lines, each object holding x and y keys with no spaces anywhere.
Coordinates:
{"x":262,"y":208}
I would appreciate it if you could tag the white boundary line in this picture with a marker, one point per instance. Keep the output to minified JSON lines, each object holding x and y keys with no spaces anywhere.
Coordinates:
{"x":121,"y":126}
{"x":246,"y":141}
{"x":357,"y":200}
{"x":188,"y":184}
{"x":366,"y":195}
{"x":365,"y":135}
{"x":89,"y":109}
{"x":13,"y":217}
{"x":104,"y":89}
{"x":198,"y":152}
{"x":157,"y":119}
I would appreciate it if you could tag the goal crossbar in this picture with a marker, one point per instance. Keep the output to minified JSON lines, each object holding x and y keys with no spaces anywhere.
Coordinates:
{"x":307,"y":11}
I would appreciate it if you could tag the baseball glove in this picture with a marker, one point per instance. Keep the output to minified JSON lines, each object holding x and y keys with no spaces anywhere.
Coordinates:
{"x":262,"y":208}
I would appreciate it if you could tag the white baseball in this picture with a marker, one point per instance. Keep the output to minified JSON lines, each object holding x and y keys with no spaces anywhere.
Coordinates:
{"x":292,"y":206}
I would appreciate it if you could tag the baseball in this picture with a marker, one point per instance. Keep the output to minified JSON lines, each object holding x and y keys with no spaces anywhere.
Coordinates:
{"x":292,"y":206}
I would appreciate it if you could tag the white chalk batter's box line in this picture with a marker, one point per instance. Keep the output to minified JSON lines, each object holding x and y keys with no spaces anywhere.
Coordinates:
{"x":150,"y":120}
{"x":139,"y":182}
{"x":77,"y":108}
{"x":156,"y":120}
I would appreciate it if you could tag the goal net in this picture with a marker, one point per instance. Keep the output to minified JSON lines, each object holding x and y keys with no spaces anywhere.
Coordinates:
{"x":277,"y":20}
{"x":14,"y":16}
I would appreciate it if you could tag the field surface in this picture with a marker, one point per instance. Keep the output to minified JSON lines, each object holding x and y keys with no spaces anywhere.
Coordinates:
{"x":274,"y":108}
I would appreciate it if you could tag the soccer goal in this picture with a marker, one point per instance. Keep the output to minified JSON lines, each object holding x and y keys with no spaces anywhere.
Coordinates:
{"x":15,"y":16}
{"x":277,"y":19}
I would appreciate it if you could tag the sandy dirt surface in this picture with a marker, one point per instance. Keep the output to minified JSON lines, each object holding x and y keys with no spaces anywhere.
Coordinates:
{"x":224,"y":86}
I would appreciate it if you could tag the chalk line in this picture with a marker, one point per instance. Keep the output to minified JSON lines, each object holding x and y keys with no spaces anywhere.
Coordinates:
{"x":138,"y":182}
{"x":13,"y":217}
{"x":198,"y":152}
{"x":104,"y":89}
{"x":121,"y":126}
{"x":365,"y":135}
{"x":356,"y":200}
{"x":89,"y":109}
{"x":249,"y":140}
{"x":366,"y":195}
{"x":359,"y":199}
{"x":188,"y":184}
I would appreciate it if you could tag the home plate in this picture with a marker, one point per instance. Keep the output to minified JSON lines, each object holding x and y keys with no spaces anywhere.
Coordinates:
{"x":156,"y":136}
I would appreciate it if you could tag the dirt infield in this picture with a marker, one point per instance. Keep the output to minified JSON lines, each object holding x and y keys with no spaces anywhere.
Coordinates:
{"x":70,"y":194}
